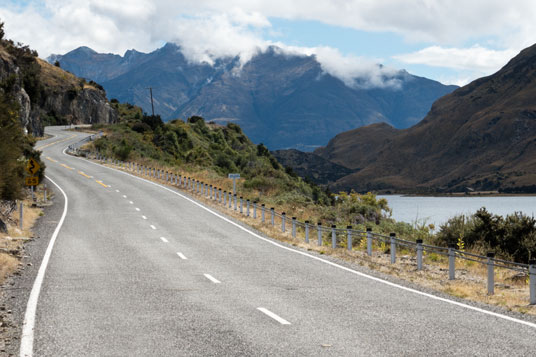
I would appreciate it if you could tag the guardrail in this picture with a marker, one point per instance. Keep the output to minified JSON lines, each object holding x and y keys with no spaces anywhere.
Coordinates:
{"x":346,"y":238}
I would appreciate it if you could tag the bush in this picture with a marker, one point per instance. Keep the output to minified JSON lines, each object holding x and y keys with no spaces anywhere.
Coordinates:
{"x":513,"y":237}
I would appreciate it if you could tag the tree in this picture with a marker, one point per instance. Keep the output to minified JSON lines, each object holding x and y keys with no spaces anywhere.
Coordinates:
{"x":11,"y":151}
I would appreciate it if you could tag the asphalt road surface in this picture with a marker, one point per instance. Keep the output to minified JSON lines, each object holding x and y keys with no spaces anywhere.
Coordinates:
{"x":138,"y":269}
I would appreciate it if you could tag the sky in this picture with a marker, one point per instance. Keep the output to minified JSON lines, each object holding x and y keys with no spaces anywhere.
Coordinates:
{"x":452,"y":41}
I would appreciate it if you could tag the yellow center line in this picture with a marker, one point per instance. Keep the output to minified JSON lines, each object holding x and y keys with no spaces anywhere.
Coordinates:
{"x":56,"y":142}
{"x":67,"y":167}
{"x":100,"y":183}
{"x":51,"y":159}
{"x":83,"y":174}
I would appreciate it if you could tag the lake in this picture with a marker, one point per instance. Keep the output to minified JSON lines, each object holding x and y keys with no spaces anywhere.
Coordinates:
{"x":438,"y":210}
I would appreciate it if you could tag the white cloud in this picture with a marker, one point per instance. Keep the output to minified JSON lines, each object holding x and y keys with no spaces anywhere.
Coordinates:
{"x":475,"y":58}
{"x":214,"y":28}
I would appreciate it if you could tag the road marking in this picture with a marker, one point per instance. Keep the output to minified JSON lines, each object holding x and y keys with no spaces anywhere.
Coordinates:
{"x":143,"y":217}
{"x":67,"y":167}
{"x":124,"y":196}
{"x":100,"y":183}
{"x":51,"y":159}
{"x":83,"y":174}
{"x":131,"y":202}
{"x":55,"y":142}
{"x":279,"y":319}
{"x":137,"y":209}
{"x":164,"y":240}
{"x":116,"y":190}
{"x":181,"y":256}
{"x":211,"y":278}
{"x":153,"y":227}
{"x":27,"y":338}
{"x":355,"y":272}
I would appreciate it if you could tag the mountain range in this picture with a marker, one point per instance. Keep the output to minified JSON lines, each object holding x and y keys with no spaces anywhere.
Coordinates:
{"x":480,"y":137}
{"x":282,"y":100}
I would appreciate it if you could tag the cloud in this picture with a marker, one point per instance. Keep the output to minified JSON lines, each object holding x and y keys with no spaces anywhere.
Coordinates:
{"x":212,"y":29}
{"x":476,"y":60}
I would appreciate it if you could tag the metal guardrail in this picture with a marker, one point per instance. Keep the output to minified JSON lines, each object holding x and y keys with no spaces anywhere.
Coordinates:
{"x":269,"y":215}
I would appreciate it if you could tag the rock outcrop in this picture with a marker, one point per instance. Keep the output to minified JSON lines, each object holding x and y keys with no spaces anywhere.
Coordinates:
{"x":46,"y":94}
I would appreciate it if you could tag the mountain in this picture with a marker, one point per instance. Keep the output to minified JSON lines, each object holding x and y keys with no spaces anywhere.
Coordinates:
{"x":312,"y":166}
{"x":279,"y":99}
{"x":46,"y":94}
{"x":481,"y":136}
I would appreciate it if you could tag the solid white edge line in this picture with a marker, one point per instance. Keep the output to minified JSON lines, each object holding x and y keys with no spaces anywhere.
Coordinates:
{"x":211,"y":278}
{"x":279,"y":319}
{"x":181,"y":256}
{"x":370,"y":277}
{"x":164,"y":240}
{"x":27,"y":338}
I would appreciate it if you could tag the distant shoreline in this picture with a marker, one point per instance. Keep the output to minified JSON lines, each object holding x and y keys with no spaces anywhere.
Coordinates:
{"x":461,"y":194}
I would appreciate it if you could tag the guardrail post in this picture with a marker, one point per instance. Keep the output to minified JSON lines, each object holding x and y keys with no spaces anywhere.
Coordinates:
{"x":491,"y":273}
{"x":419,"y":254}
{"x":272,"y":213}
{"x":393,"y":247}
{"x":319,"y":231}
{"x":532,"y":281}
{"x":224,"y":198}
{"x":283,"y":216}
{"x":349,"y":238}
{"x":229,"y":198}
{"x":452,"y":261}
{"x":254,"y":209}
{"x":45,"y":193}
{"x":306,"y":231}
{"x":247,"y":207}
{"x":293,"y":227}
{"x":369,"y":241}
{"x":219,"y":195}
{"x":333,"y":236}
{"x":21,"y":214}
{"x":263,"y":208}
{"x":241,"y":204}
{"x":235,"y":202}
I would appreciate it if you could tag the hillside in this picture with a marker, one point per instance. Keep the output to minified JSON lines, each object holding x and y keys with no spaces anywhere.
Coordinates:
{"x":278,"y":99}
{"x":481,"y":136}
{"x":46,"y":94}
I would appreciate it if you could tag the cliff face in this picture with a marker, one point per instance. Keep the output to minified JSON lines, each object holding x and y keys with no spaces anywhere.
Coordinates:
{"x":48,"y":95}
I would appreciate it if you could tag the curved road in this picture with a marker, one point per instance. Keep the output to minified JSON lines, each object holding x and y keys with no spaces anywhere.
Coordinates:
{"x":138,"y":269}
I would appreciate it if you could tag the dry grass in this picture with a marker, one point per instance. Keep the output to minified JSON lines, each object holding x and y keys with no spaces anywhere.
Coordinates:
{"x":511,"y":289}
{"x":11,"y":243}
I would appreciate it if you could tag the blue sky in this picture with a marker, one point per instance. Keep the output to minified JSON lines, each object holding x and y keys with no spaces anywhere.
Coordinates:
{"x":453,"y":42}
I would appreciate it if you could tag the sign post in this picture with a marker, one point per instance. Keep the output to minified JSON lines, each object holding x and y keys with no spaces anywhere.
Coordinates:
{"x":234,"y":177}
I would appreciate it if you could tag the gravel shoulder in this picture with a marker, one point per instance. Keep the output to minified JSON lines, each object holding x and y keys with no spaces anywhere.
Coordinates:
{"x":16,"y":289}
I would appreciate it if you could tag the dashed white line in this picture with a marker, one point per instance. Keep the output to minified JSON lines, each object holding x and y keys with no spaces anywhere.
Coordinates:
{"x":181,"y":256}
{"x":137,"y":209}
{"x":131,"y":202}
{"x":164,"y":240}
{"x":116,"y":190}
{"x":211,"y":278}
{"x":143,"y":217}
{"x":153,"y":227}
{"x":279,"y":319}
{"x":124,"y":196}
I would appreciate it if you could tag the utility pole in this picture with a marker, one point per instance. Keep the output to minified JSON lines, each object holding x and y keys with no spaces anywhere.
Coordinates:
{"x":152,"y":105}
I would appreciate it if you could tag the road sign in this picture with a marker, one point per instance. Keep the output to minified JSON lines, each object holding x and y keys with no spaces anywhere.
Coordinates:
{"x":234,"y":177}
{"x":32,"y":181}
{"x":32,"y":167}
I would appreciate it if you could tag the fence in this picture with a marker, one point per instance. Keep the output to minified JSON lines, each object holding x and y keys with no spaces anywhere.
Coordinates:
{"x":333,"y":236}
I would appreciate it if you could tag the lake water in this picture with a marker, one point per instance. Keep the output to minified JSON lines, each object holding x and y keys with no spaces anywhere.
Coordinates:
{"x":438,"y":210}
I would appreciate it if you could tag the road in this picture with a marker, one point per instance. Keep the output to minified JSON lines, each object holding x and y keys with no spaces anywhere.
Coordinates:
{"x":138,"y":269}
